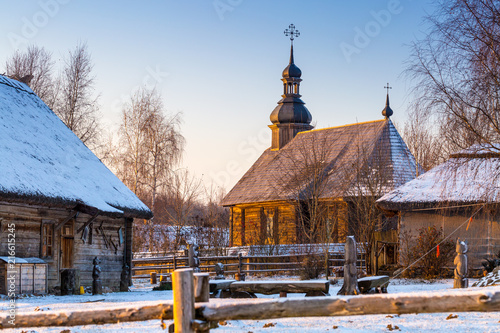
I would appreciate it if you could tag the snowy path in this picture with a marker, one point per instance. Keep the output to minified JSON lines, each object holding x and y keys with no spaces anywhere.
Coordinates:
{"x":142,"y":294}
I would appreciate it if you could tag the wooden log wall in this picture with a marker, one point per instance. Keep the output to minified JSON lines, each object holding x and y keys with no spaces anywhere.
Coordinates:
{"x":483,"y":234}
{"x":270,"y":223}
{"x":28,"y":230}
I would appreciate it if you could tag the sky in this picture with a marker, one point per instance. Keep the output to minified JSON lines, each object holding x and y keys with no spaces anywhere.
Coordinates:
{"x":219,"y":63}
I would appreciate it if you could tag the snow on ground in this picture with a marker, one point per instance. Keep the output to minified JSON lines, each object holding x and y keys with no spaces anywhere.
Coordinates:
{"x":142,"y":294}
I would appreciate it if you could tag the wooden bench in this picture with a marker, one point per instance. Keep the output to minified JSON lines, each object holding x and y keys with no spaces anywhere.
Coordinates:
{"x":373,"y":284}
{"x":248,"y":289}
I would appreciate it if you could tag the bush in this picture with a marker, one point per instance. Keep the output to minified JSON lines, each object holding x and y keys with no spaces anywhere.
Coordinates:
{"x":312,"y":266}
{"x":423,"y":249}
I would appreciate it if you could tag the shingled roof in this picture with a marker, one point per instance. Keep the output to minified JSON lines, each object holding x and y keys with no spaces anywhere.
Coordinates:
{"x":43,"y":162}
{"x":470,"y":176}
{"x":343,"y":147}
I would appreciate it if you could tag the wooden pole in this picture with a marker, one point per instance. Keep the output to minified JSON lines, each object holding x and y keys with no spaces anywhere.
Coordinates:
{"x":175,"y":262}
{"x":201,"y":287}
{"x":432,"y":302}
{"x":182,"y":284}
{"x":443,"y":302}
{"x":153,"y":276}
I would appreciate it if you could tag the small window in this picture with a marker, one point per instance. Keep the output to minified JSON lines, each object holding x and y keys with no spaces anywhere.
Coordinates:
{"x":47,"y":240}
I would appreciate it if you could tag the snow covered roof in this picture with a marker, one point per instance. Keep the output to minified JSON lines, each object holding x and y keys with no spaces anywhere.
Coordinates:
{"x":341,"y":150}
{"x":469,"y":176}
{"x":43,"y":162}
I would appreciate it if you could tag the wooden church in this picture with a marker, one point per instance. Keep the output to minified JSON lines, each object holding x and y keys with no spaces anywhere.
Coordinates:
{"x":310,"y":174}
{"x":60,"y":206}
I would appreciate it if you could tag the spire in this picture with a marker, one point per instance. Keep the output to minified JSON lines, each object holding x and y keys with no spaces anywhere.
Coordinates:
{"x":387,"y":111}
{"x":290,"y":116}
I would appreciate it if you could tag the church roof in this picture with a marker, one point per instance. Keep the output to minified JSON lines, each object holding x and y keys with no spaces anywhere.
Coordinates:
{"x":339,"y":150}
{"x":43,"y":162}
{"x":468,"y":177}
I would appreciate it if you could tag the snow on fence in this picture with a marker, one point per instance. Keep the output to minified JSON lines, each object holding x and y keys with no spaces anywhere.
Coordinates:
{"x":202,"y":314}
{"x":252,"y":260}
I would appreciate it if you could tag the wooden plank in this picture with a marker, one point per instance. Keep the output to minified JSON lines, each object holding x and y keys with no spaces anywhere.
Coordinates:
{"x":92,"y":219}
{"x":219,"y":284}
{"x":272,"y":287}
{"x":71,"y":215}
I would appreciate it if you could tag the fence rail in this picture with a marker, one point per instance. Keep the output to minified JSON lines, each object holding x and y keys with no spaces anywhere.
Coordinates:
{"x":255,"y":309}
{"x":248,"y":264}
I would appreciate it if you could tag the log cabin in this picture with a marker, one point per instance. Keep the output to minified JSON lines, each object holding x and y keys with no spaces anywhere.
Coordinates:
{"x":58,"y":201}
{"x":460,"y":197}
{"x":334,"y":166}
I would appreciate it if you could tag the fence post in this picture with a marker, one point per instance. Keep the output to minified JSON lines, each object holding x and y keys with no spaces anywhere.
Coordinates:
{"x":240,"y":276}
{"x":183,"y":286}
{"x":153,"y":278}
{"x":175,"y":262}
{"x":327,"y":264}
{"x":201,"y":287}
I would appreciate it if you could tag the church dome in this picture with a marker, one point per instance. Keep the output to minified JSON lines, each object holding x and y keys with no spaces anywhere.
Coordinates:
{"x":292,"y":71}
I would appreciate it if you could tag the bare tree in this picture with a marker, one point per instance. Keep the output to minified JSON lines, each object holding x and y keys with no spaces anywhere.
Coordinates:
{"x":456,"y":69}
{"x":76,"y":104}
{"x":305,"y":179}
{"x":35,"y":67}
{"x":150,"y":145}
{"x":367,"y":179}
{"x":422,"y":138}
{"x":183,"y":194}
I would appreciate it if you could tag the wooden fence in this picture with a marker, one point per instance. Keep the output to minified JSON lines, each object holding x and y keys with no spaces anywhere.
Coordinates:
{"x":201,"y":315}
{"x":272,"y":264}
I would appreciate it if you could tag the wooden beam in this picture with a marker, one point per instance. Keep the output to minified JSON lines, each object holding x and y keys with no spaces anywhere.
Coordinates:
{"x":183,"y":286}
{"x":89,"y":316}
{"x":443,"y":302}
{"x":269,"y":288}
{"x":92,"y":219}
{"x":71,"y":215}
{"x":433,"y":302}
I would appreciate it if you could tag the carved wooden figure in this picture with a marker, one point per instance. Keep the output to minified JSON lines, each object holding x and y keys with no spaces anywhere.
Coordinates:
{"x":96,"y":277}
{"x":194,"y":261}
{"x":350,"y":286}
{"x":124,"y":277}
{"x":461,"y":280}
{"x":219,"y":270}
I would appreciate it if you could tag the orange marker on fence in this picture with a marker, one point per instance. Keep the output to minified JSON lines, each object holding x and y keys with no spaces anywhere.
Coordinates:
{"x":468,"y":224}
{"x":437,"y":251}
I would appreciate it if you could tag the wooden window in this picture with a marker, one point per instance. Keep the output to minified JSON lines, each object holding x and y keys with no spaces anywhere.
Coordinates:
{"x":47,"y":240}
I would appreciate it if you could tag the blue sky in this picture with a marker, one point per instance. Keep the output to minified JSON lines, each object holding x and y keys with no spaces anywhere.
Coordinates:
{"x":219,"y":62}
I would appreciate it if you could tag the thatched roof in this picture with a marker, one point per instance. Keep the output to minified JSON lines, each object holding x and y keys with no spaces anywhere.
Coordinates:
{"x":470,"y":176}
{"x":340,"y":150}
{"x":42,"y":162}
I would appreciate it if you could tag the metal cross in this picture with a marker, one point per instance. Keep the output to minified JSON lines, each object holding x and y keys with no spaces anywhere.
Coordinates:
{"x":291,"y":32}
{"x":387,"y":87}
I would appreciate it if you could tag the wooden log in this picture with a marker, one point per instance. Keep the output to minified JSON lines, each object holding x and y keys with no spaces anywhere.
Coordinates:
{"x":271,"y":287}
{"x":201,"y":287}
{"x":437,"y":302}
{"x":183,"y":286}
{"x":90,"y":316}
{"x":444,"y":302}
{"x":350,"y":286}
